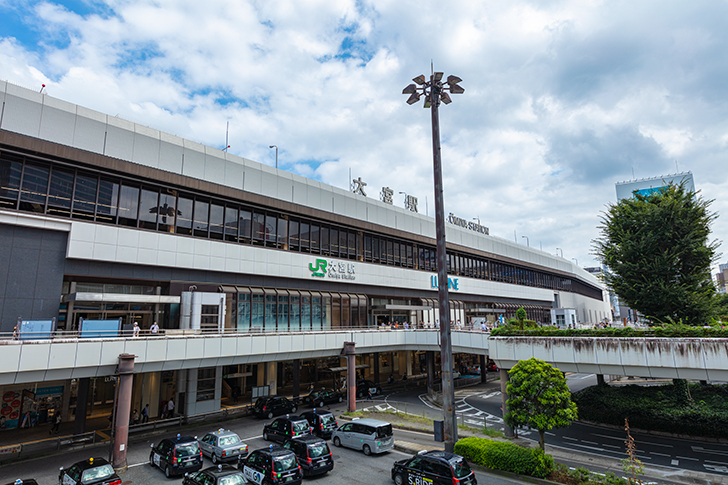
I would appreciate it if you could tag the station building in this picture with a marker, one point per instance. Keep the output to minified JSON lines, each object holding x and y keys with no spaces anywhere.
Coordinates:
{"x":103,"y":219}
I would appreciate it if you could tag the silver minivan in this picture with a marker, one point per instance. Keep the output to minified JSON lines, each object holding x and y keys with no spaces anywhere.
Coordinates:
{"x":368,"y":435}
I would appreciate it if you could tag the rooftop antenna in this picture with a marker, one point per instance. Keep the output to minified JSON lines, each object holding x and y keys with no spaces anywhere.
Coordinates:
{"x":227,"y":132}
{"x":677,"y":170}
{"x":633,"y":173}
{"x":42,"y":87}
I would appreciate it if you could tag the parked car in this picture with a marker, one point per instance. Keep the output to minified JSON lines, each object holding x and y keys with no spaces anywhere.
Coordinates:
{"x":268,"y":407}
{"x":323,"y":422}
{"x":474,"y":370}
{"x":26,"y":481}
{"x":363,"y":385}
{"x":322,"y":397}
{"x":368,"y":435}
{"x":314,"y":455}
{"x":433,"y":468}
{"x":286,"y":428}
{"x":215,"y":475}
{"x":223,"y":445}
{"x":94,"y":471}
{"x":491,"y":367}
{"x":273,"y":465}
{"x":176,"y":456}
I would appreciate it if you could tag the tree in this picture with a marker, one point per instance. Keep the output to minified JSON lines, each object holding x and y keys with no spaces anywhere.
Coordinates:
{"x":538,"y":398}
{"x":656,"y":247}
{"x":521,"y":316}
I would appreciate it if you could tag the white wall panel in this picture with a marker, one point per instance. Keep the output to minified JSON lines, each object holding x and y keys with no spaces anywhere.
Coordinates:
{"x":89,"y":132}
{"x":146,"y":146}
{"x":215,"y":166}
{"x":58,"y":121}
{"x":193,"y":160}
{"x":171,"y":150}
{"x":119,"y":138}
{"x":23,"y":110}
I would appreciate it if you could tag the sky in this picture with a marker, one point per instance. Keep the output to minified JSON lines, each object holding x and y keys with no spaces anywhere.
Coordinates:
{"x":562,"y":98}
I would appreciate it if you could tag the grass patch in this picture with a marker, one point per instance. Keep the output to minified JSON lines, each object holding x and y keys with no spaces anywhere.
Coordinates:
{"x":493,"y":433}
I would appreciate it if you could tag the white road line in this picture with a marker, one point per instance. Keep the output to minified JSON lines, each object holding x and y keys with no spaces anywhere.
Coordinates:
{"x":608,"y":437}
{"x":716,"y":462}
{"x":675,"y":462}
{"x":586,"y":377}
{"x":687,"y":458}
{"x":710,"y":452}
{"x":589,"y":447}
{"x":138,"y":464}
{"x":612,"y":446}
{"x":590,"y":442}
{"x":570,"y":438}
{"x":654,"y":444}
{"x":548,"y":433}
{"x":658,"y":454}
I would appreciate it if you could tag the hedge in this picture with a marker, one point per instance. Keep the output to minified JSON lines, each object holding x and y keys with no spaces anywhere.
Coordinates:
{"x":676,"y":331}
{"x":505,"y":456}
{"x":659,"y":408}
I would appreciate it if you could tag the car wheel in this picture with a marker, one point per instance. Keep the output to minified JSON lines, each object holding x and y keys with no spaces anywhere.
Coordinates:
{"x":367,"y":451}
{"x":293,"y":409}
{"x":214,"y":459}
{"x":398,"y":480}
{"x":321,"y":404}
{"x":265,"y":436}
{"x":167,"y":472}
{"x":270,"y":415}
{"x":341,"y":398}
{"x":151,"y":460}
{"x":337,"y":441}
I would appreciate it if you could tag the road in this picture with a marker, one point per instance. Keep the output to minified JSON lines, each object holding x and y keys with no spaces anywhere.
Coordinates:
{"x":484,"y":405}
{"x":351,"y":467}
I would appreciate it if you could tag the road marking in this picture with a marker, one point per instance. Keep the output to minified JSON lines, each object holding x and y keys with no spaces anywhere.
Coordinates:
{"x":570,"y":438}
{"x":612,"y":446}
{"x":586,"y":376}
{"x":138,"y":464}
{"x":589,"y":442}
{"x":717,"y":462}
{"x":711,"y":452}
{"x":659,"y":454}
{"x":687,"y":458}
{"x":714,"y":468}
{"x":549,"y":434}
{"x":607,"y":436}
{"x":653,"y":444}
{"x":675,"y":462}
{"x":589,"y":447}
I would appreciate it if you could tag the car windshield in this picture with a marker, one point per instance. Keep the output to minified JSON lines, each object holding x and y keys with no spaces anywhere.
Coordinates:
{"x":328,"y":419}
{"x":461,"y":469}
{"x":229,"y":440}
{"x":187,"y":450}
{"x":319,"y":449}
{"x":236,"y":479}
{"x":260,"y":402}
{"x":285,"y":464}
{"x":299,"y":426}
{"x":384,"y":431}
{"x":97,"y":473}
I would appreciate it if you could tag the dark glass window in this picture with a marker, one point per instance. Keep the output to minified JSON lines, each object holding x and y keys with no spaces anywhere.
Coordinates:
{"x":258,"y":228}
{"x":271,"y":231}
{"x":390,"y":252}
{"x":324,"y":240}
{"x":106,"y":207}
{"x":396,"y":254}
{"x":315,"y":238}
{"x":216,"y":221}
{"x":375,"y":249}
{"x":282,"y":233}
{"x":334,"y":242}
{"x":245,"y":222}
{"x":10,"y":170}
{"x":343,"y":243}
{"x":35,"y":185}
{"x":167,"y":211}
{"x":184,"y":215}
{"x":352,"y":245}
{"x":305,"y":237}
{"x":293,"y":237}
{"x":200,"y":221}
{"x":231,"y":224}
{"x":148,"y":208}
{"x":84,"y":199}
{"x":60,"y":193}
{"x":367,"y":248}
{"x":128,"y":205}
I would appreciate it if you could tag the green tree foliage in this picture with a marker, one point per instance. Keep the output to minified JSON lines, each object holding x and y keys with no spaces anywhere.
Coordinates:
{"x":521,"y":316}
{"x":657,"y":249}
{"x":538,"y":398}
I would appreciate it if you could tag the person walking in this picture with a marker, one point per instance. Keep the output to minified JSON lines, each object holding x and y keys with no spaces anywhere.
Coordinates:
{"x":136,"y":330}
{"x":56,"y":423}
{"x":145,"y":414}
{"x":154,"y":329}
{"x":170,"y":408}
{"x":369,"y":395}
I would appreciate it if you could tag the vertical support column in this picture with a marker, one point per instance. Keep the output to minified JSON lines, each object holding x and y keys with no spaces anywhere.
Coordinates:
{"x":430,"y":363}
{"x":600,"y":379}
{"x":408,"y":355}
{"x":271,"y":377}
{"x":483,"y":369}
{"x":508,"y":431}
{"x":376,"y":367}
{"x":350,"y":353}
{"x":79,"y":424}
{"x":125,"y":372}
{"x":296,"y":377}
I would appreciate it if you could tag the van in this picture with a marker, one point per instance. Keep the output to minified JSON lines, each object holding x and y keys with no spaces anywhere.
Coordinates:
{"x":368,"y":435}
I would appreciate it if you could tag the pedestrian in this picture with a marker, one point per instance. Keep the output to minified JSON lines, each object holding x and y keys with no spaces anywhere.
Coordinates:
{"x":136,"y":330}
{"x":163,"y":410}
{"x":56,"y":422}
{"x":170,"y":408}
{"x":15,"y":333}
{"x":145,"y":414}
{"x":390,"y":379}
{"x":154,"y":329}
{"x":310,"y":388}
{"x":134,"y":417}
{"x":369,"y":395}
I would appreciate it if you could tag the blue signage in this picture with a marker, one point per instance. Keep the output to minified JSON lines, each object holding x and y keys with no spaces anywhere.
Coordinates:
{"x":452,"y":283}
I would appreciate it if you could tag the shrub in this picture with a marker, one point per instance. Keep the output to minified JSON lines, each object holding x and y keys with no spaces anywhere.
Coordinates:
{"x":505,"y":456}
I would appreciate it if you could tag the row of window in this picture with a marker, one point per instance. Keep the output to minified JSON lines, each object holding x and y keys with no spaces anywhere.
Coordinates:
{"x":32,"y":185}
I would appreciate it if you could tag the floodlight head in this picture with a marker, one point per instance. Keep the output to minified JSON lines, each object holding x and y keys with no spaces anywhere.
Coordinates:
{"x":453,"y":80}
{"x":414,"y":97}
{"x":409,"y":89}
{"x":427,"y":102}
{"x":445,"y":98}
{"x":456,"y":89}
{"x":438,"y":76}
{"x":420,"y":79}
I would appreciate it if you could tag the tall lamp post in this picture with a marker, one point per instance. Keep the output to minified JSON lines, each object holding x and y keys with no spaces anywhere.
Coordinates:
{"x":276,"y":147}
{"x":528,"y":241}
{"x":435,"y":91}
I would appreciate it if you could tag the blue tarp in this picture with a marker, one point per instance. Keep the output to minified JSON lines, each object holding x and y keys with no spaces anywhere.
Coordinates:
{"x":99,"y":328}
{"x":36,"y":329}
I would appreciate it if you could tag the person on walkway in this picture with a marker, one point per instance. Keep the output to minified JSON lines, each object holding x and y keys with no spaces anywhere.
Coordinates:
{"x":134,"y":417}
{"x":15,"y":333}
{"x":56,"y":422}
{"x":154,"y":329}
{"x":145,"y":414}
{"x":170,"y":408}
{"x":369,"y":395}
{"x":136,"y":330}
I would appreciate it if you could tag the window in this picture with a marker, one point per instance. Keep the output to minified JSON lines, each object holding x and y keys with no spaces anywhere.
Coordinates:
{"x":231,"y":224}
{"x":10,"y":170}
{"x":84,"y":199}
{"x":305,"y":237}
{"x":216,"y":221}
{"x":148,"y":207}
{"x":293,"y":237}
{"x":184,"y":215}
{"x":282,"y":233}
{"x":167,"y":211}
{"x":245,"y":226}
{"x":209,"y":319}
{"x":271,"y":231}
{"x":206,"y":384}
{"x":108,"y":199}
{"x":334,"y":240}
{"x":61,"y":191}
{"x":258,"y":228}
{"x":35,"y":185}
{"x":200,"y":220}
{"x":315,"y":238}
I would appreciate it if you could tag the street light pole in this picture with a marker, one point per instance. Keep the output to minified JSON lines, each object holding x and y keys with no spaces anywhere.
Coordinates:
{"x":435,"y":91}
{"x":276,"y":147}
{"x":528,"y":241}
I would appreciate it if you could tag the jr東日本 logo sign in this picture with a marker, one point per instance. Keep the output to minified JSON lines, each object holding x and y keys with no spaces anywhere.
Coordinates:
{"x":338,"y":270}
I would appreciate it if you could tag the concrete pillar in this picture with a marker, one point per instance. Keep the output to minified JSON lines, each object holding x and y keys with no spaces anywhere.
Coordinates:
{"x":296,"y":377}
{"x":430,"y":363}
{"x":271,"y":377}
{"x":600,"y":379}
{"x":508,"y":431}
{"x":125,"y":373}
{"x":408,"y":357}
{"x":350,"y":353}
{"x":79,"y":424}
{"x":261,"y":374}
{"x":483,"y":372}
{"x":376,"y":367}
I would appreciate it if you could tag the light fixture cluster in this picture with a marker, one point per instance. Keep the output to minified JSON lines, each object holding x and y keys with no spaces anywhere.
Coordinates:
{"x":434,"y":89}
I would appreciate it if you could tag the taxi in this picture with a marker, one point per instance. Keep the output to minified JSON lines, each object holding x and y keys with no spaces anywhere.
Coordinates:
{"x":27,"y":481}
{"x":94,"y":471}
{"x":223,"y":445}
{"x":215,"y":475}
{"x":274,"y":465}
{"x":176,"y":456}
{"x":285,"y":428}
{"x":433,"y":468}
{"x":323,"y":422}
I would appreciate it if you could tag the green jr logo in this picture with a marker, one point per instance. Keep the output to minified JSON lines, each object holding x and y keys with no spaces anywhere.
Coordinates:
{"x":320,"y":269}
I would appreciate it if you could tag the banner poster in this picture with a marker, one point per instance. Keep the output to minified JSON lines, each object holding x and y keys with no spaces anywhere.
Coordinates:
{"x":10,"y":410}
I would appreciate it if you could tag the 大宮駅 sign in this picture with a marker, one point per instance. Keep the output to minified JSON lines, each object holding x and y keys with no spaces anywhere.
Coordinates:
{"x":473,"y":226}
{"x":338,"y":270}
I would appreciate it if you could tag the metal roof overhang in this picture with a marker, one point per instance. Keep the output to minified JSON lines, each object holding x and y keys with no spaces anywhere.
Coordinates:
{"x":120,"y":298}
{"x":341,"y":369}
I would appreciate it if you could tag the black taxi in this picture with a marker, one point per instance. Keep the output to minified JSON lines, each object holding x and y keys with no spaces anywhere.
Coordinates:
{"x":26,"y":481}
{"x":268,"y":407}
{"x":285,"y":428}
{"x":323,"y":422}
{"x":94,"y":471}
{"x":433,"y":468}
{"x":215,"y":475}
{"x":176,"y":456}
{"x":273,"y":465}
{"x":314,"y":455}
